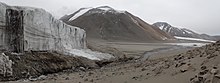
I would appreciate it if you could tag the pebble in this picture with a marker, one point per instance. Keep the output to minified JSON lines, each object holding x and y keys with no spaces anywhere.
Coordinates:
{"x":184,"y":68}
{"x":203,"y":72}
{"x":143,"y":69}
{"x":135,"y":78}
{"x":67,"y":78}
{"x":91,"y":80}
{"x":203,"y":67}
{"x":214,"y":71}
{"x":86,"y":79}
{"x":216,"y":79}
{"x":82,"y":68}
{"x":90,"y":73}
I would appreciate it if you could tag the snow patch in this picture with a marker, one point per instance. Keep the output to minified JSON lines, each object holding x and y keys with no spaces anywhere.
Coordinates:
{"x":164,"y":38}
{"x":184,"y":32}
{"x":103,"y":8}
{"x":109,"y":9}
{"x":81,"y":12}
{"x":120,"y":11}
{"x":193,"y":39}
{"x":169,"y":29}
{"x":189,"y":32}
{"x":87,"y":53}
{"x":161,"y":27}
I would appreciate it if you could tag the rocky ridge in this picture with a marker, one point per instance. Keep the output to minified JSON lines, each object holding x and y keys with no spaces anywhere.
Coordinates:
{"x":181,"y":32}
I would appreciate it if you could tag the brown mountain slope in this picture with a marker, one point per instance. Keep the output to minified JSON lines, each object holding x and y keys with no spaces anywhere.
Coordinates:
{"x":108,"y":24}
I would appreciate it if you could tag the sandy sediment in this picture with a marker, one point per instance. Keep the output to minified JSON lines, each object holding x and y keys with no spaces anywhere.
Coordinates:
{"x":199,"y":65}
{"x":195,"y":65}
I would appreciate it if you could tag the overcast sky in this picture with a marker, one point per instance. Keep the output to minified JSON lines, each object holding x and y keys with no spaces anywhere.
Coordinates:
{"x":202,"y":16}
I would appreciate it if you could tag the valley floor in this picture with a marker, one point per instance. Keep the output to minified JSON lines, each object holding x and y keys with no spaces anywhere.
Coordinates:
{"x":158,"y":68}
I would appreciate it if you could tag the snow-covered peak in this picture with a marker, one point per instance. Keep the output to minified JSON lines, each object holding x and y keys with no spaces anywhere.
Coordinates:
{"x":163,"y":26}
{"x":80,"y":12}
{"x":180,"y":32}
{"x":91,"y":10}
{"x":170,"y":29}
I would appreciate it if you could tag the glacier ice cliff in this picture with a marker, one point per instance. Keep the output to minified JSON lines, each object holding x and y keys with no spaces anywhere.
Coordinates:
{"x":33,"y":29}
{"x":40,"y":31}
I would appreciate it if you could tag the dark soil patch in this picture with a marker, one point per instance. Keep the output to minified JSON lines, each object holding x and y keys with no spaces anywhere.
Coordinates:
{"x":41,"y":63}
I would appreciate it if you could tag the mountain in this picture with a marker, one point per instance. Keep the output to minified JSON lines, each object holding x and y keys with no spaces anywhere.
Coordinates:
{"x":181,"y":32}
{"x":106,"y":23}
{"x":217,"y":37}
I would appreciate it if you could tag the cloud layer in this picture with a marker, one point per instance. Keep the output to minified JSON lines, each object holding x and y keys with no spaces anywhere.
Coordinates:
{"x":202,"y":16}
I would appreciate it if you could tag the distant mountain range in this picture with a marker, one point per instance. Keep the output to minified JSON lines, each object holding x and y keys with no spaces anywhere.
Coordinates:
{"x":217,"y":37}
{"x":106,"y":23}
{"x":181,"y":32}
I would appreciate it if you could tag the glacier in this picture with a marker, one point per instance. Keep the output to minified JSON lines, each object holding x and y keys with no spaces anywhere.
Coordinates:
{"x":38,"y":30}
{"x":41,"y":31}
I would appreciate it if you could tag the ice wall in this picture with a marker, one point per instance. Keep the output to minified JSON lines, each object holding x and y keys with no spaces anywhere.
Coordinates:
{"x":42,"y":32}
{"x":2,"y":24}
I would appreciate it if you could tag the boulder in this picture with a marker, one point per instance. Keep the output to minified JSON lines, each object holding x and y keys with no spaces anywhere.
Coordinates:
{"x":216,"y":79}
{"x":5,"y":66}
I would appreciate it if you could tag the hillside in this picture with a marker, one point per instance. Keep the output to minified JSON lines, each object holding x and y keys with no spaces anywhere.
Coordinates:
{"x":181,"y":32}
{"x":106,"y":23}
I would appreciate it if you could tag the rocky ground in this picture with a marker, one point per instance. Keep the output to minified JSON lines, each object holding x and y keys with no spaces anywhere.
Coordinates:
{"x":199,"y":65}
{"x":33,"y":64}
